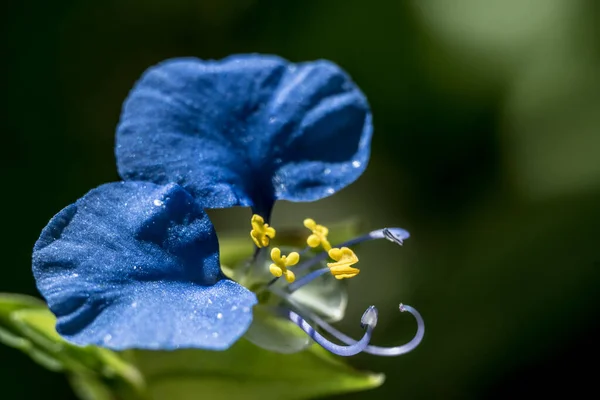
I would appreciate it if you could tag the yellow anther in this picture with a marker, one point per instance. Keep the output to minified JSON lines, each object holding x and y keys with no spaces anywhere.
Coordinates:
{"x":281,"y":263}
{"x":261,"y":233}
{"x":319,"y":234}
{"x":344,"y":258}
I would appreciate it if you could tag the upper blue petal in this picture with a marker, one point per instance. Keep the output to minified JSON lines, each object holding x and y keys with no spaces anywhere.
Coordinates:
{"x":245,"y":130}
{"x":136,"y":265}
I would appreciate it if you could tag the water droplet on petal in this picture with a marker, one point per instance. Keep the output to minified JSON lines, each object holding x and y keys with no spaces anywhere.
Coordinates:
{"x":158,"y":202}
{"x":327,"y":171}
{"x":330,"y":190}
{"x":107,"y":338}
{"x":356,"y":164}
{"x":219,"y":316}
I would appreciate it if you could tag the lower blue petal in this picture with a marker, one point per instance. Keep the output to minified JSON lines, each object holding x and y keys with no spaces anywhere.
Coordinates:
{"x":136,"y":265}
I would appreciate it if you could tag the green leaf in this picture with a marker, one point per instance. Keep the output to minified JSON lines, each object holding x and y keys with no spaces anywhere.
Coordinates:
{"x":11,"y":335}
{"x":249,"y":372}
{"x":10,"y":303}
{"x":89,"y":387}
{"x":38,"y":324}
{"x":26,"y":324}
{"x":100,"y":374}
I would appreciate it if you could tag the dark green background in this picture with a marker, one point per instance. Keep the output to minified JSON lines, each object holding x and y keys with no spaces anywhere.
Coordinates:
{"x":486,"y":147}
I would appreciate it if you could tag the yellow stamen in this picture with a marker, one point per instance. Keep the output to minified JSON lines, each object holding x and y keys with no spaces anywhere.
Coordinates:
{"x":261,"y":233}
{"x":344,"y":258}
{"x":319,"y":234}
{"x":281,"y":263}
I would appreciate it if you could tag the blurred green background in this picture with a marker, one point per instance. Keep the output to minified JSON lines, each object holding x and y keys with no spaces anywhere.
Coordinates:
{"x":486,"y":148}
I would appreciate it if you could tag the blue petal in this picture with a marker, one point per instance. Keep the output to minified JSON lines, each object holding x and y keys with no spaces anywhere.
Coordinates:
{"x":245,"y":130}
{"x":136,"y":265}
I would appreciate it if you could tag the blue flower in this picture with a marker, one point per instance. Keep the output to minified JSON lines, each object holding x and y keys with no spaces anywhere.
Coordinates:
{"x":136,"y":264}
{"x":246,"y":130}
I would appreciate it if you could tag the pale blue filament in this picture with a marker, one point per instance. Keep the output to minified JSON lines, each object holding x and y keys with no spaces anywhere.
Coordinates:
{"x":368,"y":320}
{"x":375,"y":350}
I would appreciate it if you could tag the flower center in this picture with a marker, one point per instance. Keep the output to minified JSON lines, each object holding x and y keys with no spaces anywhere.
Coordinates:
{"x":343,"y":258}
{"x":305,"y":268}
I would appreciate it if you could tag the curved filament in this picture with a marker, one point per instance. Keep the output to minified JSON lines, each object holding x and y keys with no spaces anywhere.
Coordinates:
{"x":375,"y":350}
{"x":368,"y":321}
{"x":383,"y":351}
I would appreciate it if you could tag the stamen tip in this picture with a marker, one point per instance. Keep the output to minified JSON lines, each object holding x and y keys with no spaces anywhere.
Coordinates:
{"x":369,"y":317}
{"x":396,"y":235}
